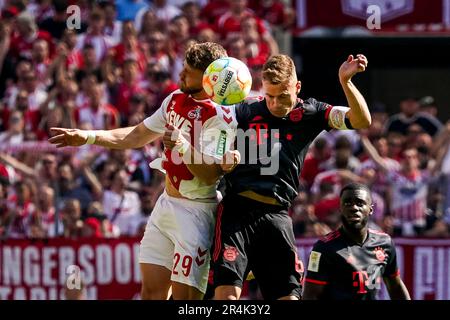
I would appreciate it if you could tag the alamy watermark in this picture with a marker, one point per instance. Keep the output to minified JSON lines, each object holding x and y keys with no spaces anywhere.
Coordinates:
{"x":73,"y":281}
{"x":257,"y":145}
{"x":374,"y":19}
{"x":74,"y":17}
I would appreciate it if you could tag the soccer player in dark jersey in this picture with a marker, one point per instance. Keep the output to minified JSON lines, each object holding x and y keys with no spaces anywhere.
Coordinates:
{"x":348,"y":264}
{"x":253,"y":229}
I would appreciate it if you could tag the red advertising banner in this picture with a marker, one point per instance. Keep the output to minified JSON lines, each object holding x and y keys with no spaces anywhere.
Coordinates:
{"x":396,"y":16}
{"x":41,"y":270}
{"x":109,"y":268}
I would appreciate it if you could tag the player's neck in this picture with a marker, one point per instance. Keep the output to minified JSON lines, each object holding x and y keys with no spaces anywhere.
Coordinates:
{"x":200,"y":95}
{"x":358,"y":236}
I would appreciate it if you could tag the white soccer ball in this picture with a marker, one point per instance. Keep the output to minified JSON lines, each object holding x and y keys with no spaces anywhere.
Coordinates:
{"x":227,"y":81}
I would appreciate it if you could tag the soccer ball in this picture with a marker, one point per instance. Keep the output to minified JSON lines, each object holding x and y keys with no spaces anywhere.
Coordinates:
{"x":227,"y":81}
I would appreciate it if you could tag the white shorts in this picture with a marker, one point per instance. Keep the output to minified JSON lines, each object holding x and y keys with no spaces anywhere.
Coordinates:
{"x":179,"y":236}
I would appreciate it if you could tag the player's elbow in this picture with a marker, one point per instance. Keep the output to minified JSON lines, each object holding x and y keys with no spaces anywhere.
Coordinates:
{"x":362,"y":123}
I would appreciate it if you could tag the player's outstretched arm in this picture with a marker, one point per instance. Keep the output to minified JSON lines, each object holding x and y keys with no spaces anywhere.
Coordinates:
{"x":120,"y":138}
{"x":396,"y":288}
{"x":358,"y":114}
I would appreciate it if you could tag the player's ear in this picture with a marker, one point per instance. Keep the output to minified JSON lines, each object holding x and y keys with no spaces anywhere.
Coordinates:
{"x":298,"y":86}
{"x":371,"y":209}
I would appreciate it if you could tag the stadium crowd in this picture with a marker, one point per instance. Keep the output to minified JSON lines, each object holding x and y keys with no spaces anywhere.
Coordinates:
{"x":115,"y":70}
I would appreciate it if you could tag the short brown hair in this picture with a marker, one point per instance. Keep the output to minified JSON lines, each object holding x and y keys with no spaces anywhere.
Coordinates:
{"x":279,"y":69}
{"x":201,"y":55}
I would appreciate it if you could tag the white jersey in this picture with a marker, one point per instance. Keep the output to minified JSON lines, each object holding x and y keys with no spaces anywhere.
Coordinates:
{"x":209,"y":127}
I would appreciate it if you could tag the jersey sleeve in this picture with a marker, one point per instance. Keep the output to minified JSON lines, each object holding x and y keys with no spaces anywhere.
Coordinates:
{"x":391,"y":269}
{"x":218,"y":133}
{"x":318,"y":270}
{"x":157,"y":121}
{"x":330,"y":117}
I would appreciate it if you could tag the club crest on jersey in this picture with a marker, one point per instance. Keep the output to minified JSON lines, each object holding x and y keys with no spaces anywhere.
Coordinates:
{"x":296,"y":115}
{"x":230,"y":254}
{"x":379,"y":254}
{"x":195,"y":114}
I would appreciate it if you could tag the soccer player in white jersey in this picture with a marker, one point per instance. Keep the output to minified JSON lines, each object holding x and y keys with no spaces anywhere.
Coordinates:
{"x":174,"y":252}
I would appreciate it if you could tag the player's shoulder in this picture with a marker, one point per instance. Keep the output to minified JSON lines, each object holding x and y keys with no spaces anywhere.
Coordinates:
{"x":251,"y":101}
{"x":312,"y":105}
{"x":379,"y":235}
{"x":328,"y":240}
{"x":249,"y":105}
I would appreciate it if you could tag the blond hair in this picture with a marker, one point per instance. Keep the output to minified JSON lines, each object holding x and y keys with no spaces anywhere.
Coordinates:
{"x":279,"y":69}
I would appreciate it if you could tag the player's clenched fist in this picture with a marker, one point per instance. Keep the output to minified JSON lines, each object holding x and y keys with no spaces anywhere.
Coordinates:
{"x":352,"y":66}
{"x":230,"y":160}
{"x":173,"y":139}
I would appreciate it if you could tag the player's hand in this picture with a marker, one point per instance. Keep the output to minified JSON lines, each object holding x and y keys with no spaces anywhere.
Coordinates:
{"x":230,"y":160}
{"x":352,"y":66}
{"x":68,"y":137}
{"x":173,"y":139}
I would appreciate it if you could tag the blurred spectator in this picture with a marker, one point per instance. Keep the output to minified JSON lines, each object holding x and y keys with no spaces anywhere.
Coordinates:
{"x":20,"y":209}
{"x":97,"y":113}
{"x":343,"y":156}
{"x":70,"y":188}
{"x":121,"y":206}
{"x":128,"y":9}
{"x":326,"y":208}
{"x":95,"y":36}
{"x":164,"y":11}
{"x":207,"y":35}
{"x":214,"y":9}
{"x":148,"y":199}
{"x":157,"y":52}
{"x":40,"y":60}
{"x":71,"y":219}
{"x":126,"y":87}
{"x":113,"y":27}
{"x":56,"y":24}
{"x":428,"y":105}
{"x":27,"y":33}
{"x":43,"y":218}
{"x":258,"y":48}
{"x":4,"y":216}
{"x":129,"y":49}
{"x":275,"y":12}
{"x":409,"y":188}
{"x":92,"y":228}
{"x":369,"y":169}
{"x":148,"y":23}
{"x":319,"y":153}
{"x":192,"y":10}
{"x":16,"y":129}
{"x":410,"y":114}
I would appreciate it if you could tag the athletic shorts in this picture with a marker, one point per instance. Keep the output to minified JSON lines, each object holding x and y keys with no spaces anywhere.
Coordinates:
{"x":256,"y":237}
{"x":178,"y":236}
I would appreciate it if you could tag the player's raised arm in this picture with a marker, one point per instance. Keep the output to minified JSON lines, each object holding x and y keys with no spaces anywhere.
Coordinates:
{"x":120,"y":138}
{"x":358,"y":115}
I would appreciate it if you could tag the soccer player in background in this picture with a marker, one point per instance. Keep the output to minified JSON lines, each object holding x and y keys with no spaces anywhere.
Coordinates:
{"x":174,"y":252}
{"x":254,"y":231}
{"x":348,"y":264}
